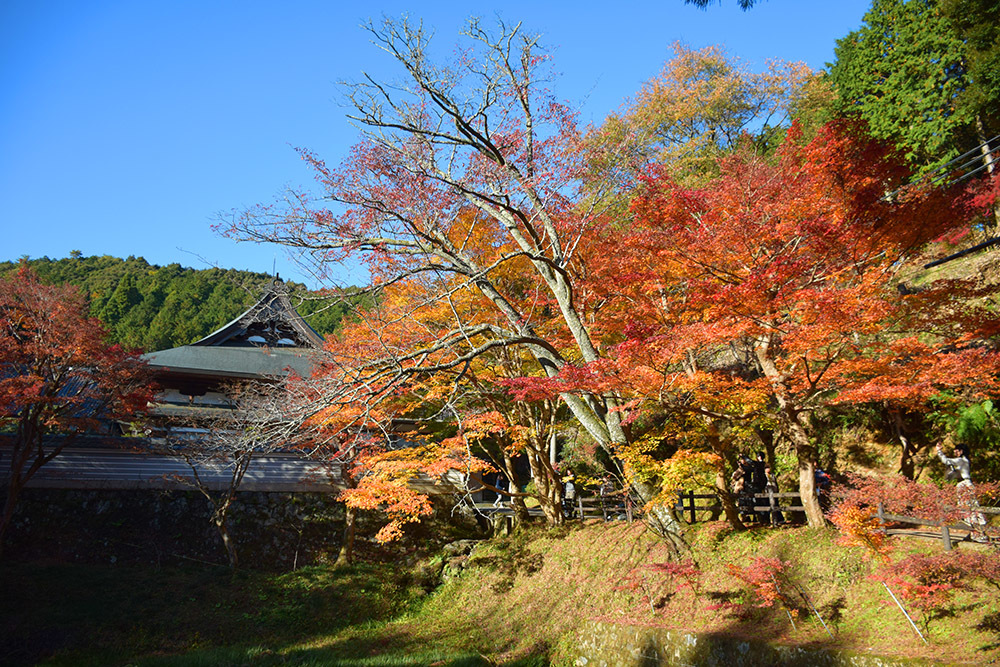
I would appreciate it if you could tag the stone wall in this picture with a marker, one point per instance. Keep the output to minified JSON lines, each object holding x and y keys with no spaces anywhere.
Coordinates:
{"x":611,"y":645}
{"x":272,"y":530}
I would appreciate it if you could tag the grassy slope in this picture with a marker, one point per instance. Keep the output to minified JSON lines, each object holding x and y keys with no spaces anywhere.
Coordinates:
{"x":582,"y":576}
{"x":518,"y":601}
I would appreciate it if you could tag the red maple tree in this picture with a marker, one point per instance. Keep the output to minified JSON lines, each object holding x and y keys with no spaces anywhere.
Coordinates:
{"x":58,"y":375}
{"x":773,"y":291}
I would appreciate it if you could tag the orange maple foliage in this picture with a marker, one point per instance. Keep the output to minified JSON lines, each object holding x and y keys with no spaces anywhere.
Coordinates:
{"x":380,"y":379}
{"x":859,"y":527}
{"x":468,"y":189}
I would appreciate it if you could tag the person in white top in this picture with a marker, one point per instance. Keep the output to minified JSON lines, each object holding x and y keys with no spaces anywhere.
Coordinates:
{"x":960,"y":468}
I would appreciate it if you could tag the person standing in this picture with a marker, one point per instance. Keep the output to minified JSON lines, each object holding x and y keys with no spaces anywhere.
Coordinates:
{"x":502,"y":487}
{"x":742,"y":481}
{"x":960,"y":469}
{"x":569,"y":495}
{"x":771,"y":488}
{"x":759,"y":484}
{"x":822,"y":483}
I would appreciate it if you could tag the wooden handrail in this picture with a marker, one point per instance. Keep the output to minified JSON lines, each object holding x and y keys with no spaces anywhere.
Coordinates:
{"x":946,"y":528}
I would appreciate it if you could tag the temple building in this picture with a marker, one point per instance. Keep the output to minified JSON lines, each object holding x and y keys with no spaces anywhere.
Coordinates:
{"x":265,"y":343}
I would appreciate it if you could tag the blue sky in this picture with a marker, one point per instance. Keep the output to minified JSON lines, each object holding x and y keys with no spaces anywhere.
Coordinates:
{"x":126,"y":127}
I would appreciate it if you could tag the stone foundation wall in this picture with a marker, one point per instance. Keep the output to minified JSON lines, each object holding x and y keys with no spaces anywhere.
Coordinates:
{"x":271,"y":530}
{"x":611,"y":645}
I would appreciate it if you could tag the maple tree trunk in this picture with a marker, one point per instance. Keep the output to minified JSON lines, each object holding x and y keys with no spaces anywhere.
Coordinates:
{"x":806,"y":455}
{"x":906,"y":463}
{"x":552,"y":510}
{"x":795,"y":430}
{"x":551,"y":506}
{"x":660,"y":518}
{"x":726,"y":499}
{"x":521,"y":516}
{"x":14,"y":486}
{"x":907,"y":448}
{"x":549,"y":488}
{"x":721,"y":488}
{"x":988,"y":162}
{"x":227,"y":540}
{"x":13,"y":492}
{"x":19,"y":474}
{"x":346,"y":554}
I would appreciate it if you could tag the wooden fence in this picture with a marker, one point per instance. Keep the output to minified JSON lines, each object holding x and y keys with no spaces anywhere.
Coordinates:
{"x":617,"y":507}
{"x":691,"y":508}
{"x":946,"y":540}
{"x":626,"y":507}
{"x":773,"y":503}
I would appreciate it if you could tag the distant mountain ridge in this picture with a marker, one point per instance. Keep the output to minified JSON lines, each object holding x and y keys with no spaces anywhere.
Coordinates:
{"x":150,"y":307}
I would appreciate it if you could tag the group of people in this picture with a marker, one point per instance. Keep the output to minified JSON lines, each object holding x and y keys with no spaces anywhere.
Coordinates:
{"x":569,"y":495}
{"x":753,"y":476}
{"x":502,"y":486}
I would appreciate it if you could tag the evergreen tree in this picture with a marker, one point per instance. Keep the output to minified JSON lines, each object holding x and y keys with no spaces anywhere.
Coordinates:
{"x":149,"y":307}
{"x":903,"y":72}
{"x":125,"y":297}
{"x":977,"y":24}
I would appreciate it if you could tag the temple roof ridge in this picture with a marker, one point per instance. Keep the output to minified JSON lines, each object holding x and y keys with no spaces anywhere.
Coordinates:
{"x":271,"y":321}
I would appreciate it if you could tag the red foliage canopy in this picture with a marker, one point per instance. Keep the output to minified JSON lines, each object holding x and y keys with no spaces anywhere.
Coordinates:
{"x":58,"y":374}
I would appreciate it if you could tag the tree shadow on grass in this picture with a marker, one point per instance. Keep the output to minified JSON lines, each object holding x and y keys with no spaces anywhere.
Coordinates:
{"x":395,"y":648}
{"x":509,"y":559}
{"x":990,"y":624}
{"x":128,"y":611}
{"x":833,"y":611}
{"x":386,"y":650}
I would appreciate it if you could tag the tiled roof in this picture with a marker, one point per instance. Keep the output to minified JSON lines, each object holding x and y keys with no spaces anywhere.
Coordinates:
{"x":236,"y":362}
{"x":268,"y":340}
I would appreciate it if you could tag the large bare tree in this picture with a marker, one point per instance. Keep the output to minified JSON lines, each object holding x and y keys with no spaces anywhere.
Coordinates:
{"x":478,"y":148}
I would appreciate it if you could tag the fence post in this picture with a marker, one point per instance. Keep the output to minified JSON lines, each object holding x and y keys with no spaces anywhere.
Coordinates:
{"x":691,"y":498}
{"x":945,"y":536}
{"x":770,"y":501}
{"x":579,"y":505}
{"x":881,"y":517}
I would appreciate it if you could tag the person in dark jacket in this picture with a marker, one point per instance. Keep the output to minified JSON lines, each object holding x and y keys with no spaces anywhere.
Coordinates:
{"x":771,"y":488}
{"x":502,"y":485}
{"x":822,"y":482}
{"x":759,"y":483}
{"x":743,"y":488}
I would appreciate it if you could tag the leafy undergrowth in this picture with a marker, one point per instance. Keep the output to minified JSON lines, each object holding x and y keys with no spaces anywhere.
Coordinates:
{"x":519,"y":601}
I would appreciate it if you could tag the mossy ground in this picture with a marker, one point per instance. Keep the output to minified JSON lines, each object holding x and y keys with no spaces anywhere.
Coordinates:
{"x":520,"y":600}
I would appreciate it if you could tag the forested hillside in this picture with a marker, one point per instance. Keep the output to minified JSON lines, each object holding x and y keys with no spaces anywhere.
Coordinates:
{"x":152,"y":307}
